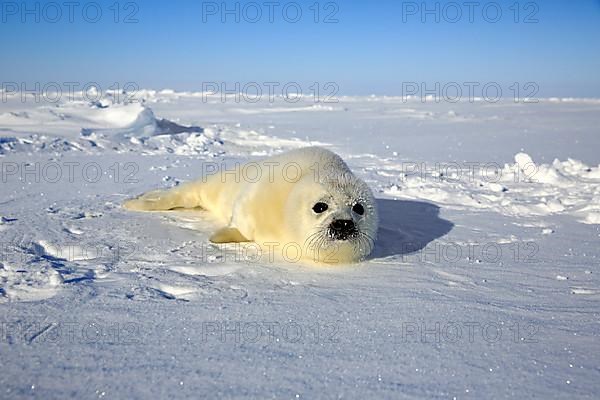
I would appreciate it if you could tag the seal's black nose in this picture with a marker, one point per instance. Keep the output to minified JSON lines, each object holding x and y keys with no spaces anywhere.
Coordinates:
{"x":342,"y":228}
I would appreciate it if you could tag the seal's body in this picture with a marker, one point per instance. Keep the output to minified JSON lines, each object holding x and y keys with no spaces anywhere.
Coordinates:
{"x":305,"y":199}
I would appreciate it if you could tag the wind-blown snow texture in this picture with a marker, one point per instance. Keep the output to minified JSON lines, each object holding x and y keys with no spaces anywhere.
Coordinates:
{"x":484,"y":283}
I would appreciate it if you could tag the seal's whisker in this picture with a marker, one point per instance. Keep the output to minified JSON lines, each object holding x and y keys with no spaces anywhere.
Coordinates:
{"x":309,"y":242}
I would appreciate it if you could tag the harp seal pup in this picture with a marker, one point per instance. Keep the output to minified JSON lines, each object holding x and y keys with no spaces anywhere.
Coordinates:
{"x":304,"y":201}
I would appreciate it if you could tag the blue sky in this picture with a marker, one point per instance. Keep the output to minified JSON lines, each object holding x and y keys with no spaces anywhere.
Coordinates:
{"x":373,"y":48}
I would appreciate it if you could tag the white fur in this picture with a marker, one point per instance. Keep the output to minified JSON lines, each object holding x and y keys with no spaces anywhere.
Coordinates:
{"x":276,"y":207}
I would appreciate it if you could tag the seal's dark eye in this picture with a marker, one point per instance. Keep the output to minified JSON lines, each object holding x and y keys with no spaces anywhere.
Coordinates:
{"x":359,"y":209}
{"x":320,"y":207}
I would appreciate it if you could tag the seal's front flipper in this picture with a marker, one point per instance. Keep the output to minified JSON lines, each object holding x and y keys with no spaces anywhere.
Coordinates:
{"x":228,"y":235}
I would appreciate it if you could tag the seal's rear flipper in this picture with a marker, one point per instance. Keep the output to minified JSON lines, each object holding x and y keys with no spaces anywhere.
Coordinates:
{"x":151,"y":201}
{"x":228,"y":235}
{"x":182,"y":196}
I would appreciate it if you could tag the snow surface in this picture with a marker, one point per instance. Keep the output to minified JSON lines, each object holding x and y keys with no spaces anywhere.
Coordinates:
{"x":484,"y":282}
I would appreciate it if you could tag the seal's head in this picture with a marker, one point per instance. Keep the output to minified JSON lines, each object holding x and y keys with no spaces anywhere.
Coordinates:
{"x":333,"y":218}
